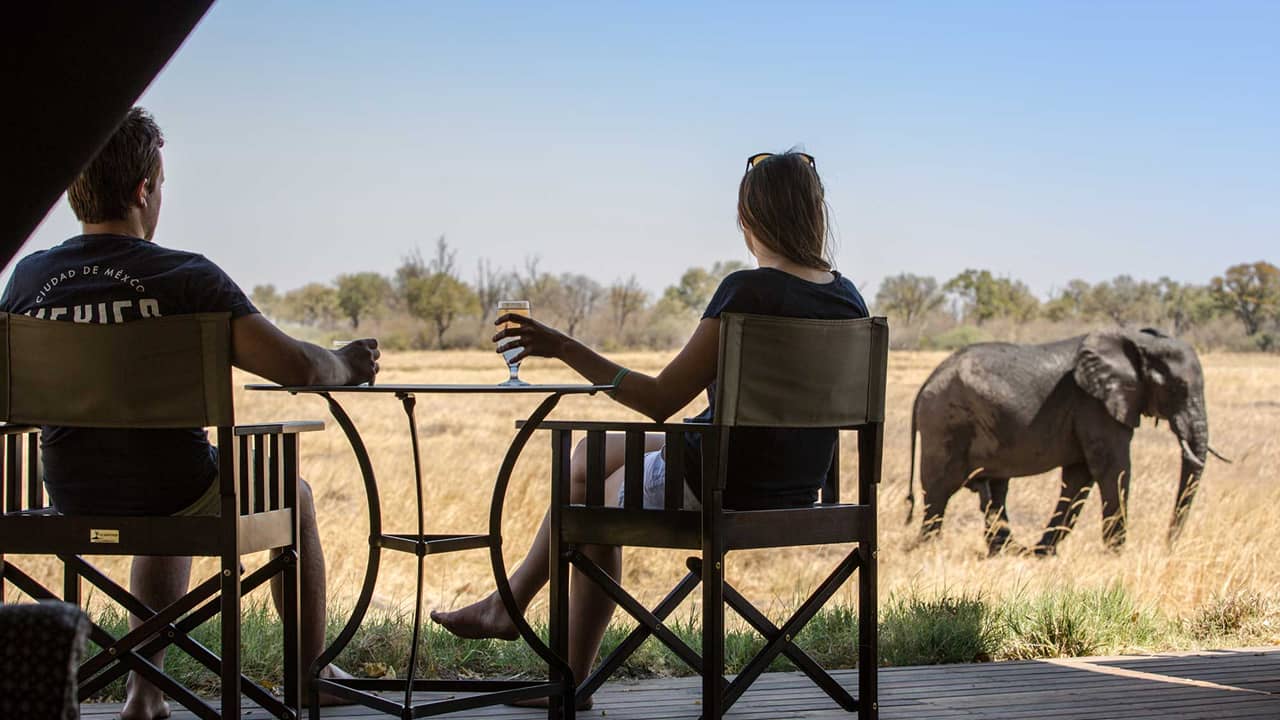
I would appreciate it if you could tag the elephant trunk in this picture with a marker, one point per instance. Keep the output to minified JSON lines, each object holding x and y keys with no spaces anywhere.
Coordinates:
{"x":1193,"y":436}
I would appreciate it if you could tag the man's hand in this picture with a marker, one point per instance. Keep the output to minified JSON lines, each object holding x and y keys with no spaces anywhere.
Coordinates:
{"x":262,"y":349}
{"x":534,"y":337}
{"x":361,"y":359}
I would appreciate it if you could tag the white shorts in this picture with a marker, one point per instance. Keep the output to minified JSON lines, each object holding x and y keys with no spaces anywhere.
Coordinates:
{"x":655,"y":484}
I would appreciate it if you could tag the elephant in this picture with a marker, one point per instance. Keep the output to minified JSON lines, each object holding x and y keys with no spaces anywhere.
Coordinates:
{"x":992,"y":411}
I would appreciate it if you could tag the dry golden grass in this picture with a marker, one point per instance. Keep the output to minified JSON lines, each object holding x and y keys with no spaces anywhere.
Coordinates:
{"x":1226,"y":547}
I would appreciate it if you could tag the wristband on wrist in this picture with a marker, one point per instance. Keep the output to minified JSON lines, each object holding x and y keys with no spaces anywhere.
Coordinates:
{"x":622,"y":372}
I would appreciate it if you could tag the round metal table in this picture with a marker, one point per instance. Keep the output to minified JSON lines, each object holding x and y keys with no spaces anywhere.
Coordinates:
{"x":558,"y":686}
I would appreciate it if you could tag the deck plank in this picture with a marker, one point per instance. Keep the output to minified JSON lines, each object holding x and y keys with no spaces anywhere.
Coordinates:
{"x":1239,"y":684}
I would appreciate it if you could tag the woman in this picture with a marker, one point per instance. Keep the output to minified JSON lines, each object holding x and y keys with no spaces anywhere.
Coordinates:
{"x":783,"y":216}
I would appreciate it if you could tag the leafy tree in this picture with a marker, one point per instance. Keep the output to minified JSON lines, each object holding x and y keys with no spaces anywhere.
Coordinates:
{"x":626,"y":298}
{"x":1069,"y":303}
{"x":986,"y":296}
{"x":577,"y":298}
{"x":1185,"y":305}
{"x":908,"y":296}
{"x":362,"y":295}
{"x":265,"y":297}
{"x":1251,"y":291}
{"x":1124,"y":300}
{"x":311,"y":304}
{"x":432,"y":291}
{"x":697,"y":285}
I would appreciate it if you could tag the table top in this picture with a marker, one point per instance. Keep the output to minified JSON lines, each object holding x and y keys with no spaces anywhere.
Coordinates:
{"x":395,"y":388}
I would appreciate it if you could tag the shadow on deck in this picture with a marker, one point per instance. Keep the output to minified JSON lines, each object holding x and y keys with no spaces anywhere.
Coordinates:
{"x":1217,"y":685}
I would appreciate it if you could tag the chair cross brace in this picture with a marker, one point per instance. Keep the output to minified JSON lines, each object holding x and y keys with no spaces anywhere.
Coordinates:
{"x":779,"y":639}
{"x":130,"y":659}
{"x":794,"y":653}
{"x":633,"y":607}
{"x":175,"y":633}
{"x":169,"y":626}
{"x":637,"y":637}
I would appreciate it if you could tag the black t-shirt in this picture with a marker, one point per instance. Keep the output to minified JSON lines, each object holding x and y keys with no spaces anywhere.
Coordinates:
{"x":116,"y":279}
{"x":774,"y":468}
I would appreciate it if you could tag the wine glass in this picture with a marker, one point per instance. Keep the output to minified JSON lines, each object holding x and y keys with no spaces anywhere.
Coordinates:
{"x":512,"y":349}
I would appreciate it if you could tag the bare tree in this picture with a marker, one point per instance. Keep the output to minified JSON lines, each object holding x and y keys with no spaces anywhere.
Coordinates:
{"x":491,"y":285}
{"x":541,"y":289}
{"x":626,"y":298}
{"x":577,"y":298}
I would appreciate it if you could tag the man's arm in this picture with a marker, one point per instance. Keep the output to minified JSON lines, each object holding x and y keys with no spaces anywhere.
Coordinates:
{"x":261,"y":348}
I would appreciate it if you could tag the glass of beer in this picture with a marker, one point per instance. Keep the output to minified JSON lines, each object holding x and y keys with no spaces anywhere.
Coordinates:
{"x":512,"y":349}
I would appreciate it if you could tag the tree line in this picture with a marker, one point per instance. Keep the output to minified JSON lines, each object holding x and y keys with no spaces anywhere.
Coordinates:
{"x":1239,"y":309}
{"x":430,"y":302}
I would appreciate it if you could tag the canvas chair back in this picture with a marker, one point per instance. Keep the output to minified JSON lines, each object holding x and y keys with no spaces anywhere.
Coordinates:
{"x":172,"y":372}
{"x":799,"y":373}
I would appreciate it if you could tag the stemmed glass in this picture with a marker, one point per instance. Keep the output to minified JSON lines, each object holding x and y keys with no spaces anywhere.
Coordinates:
{"x":512,"y":349}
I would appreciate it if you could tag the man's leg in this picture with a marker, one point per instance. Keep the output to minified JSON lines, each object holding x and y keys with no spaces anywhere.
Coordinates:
{"x":488,"y":618}
{"x":158,"y":582}
{"x":313,"y":590}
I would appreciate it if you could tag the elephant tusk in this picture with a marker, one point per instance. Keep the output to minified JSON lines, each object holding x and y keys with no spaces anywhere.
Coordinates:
{"x":1219,"y":455}
{"x":1190,"y":456}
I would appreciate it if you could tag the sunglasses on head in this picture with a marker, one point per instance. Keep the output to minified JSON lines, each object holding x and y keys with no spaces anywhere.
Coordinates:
{"x":758,"y":158}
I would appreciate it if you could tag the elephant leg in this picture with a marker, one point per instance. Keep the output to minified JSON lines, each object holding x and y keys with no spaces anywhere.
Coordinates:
{"x":1114,"y":486}
{"x":942,"y":474}
{"x":1074,"y":490}
{"x":992,"y":494}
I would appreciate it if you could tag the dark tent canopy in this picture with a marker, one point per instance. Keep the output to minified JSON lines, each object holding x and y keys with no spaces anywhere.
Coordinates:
{"x":71,"y":70}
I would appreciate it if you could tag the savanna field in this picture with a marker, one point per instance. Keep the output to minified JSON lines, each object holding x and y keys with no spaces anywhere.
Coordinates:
{"x":1217,"y":584}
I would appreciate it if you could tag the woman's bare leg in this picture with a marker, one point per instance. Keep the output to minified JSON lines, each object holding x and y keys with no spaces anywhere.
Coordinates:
{"x":589,"y":606}
{"x":488,"y":618}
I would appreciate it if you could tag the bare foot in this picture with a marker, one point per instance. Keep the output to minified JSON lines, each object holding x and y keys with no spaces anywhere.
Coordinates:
{"x":144,"y":703}
{"x":330,"y":672}
{"x":487,"y":618}
{"x":583,"y":704}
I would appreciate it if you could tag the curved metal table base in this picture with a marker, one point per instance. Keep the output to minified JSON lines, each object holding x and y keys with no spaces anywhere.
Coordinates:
{"x":558,"y":688}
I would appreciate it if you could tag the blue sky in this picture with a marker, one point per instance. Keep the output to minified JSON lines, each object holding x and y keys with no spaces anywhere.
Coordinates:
{"x":1039,"y":140}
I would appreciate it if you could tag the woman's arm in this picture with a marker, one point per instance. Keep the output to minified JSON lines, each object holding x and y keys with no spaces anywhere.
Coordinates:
{"x":688,"y":374}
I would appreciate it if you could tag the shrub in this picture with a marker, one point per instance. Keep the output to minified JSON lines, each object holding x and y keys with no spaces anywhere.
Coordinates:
{"x":1227,"y":615}
{"x":1066,"y":622}
{"x":916,"y":631}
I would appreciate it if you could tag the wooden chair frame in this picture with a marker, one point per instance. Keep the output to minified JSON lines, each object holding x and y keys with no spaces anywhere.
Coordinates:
{"x":715,"y":531}
{"x":258,"y":491}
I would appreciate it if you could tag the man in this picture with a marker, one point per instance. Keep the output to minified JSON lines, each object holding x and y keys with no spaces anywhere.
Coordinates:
{"x":114,"y":273}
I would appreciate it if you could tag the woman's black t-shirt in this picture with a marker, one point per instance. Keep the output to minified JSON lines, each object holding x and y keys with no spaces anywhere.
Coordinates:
{"x":774,"y":468}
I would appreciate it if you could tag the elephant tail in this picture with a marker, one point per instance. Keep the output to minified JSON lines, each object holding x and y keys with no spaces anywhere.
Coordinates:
{"x":911,"y":474}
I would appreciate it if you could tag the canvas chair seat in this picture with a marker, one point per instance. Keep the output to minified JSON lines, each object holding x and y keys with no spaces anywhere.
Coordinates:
{"x":772,"y":373}
{"x":170,"y":372}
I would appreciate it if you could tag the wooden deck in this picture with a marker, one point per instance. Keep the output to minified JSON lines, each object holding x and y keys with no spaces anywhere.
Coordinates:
{"x":1220,"y":685}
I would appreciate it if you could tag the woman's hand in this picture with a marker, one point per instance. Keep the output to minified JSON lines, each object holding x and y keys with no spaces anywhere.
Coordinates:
{"x":532,"y":336}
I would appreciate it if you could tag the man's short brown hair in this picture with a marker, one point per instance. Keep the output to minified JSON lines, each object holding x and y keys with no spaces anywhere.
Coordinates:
{"x":104,"y":191}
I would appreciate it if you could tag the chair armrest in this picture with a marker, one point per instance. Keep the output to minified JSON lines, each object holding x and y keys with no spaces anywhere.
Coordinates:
{"x":17,"y":429}
{"x":292,"y":427}
{"x":594,"y":425}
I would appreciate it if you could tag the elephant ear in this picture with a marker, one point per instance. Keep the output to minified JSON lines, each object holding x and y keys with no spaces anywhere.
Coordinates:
{"x":1107,"y":367}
